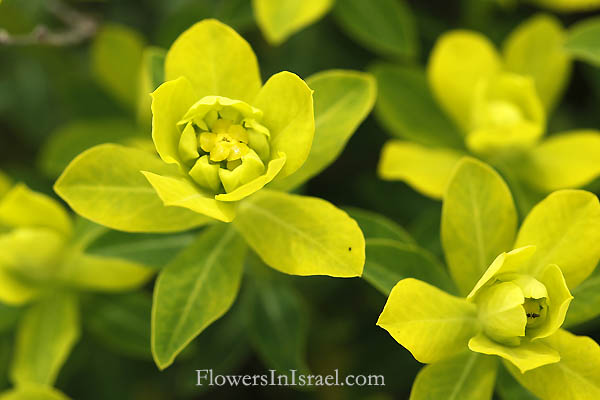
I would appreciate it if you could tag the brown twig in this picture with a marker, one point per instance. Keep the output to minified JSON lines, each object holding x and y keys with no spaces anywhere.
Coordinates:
{"x":81,"y":27}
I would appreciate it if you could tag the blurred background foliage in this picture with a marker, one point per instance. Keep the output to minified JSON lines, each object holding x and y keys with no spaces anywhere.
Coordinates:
{"x":49,"y":95}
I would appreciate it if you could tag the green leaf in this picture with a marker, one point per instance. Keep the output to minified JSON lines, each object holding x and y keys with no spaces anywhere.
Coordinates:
{"x":376,"y":226}
{"x":181,"y":191}
{"x":565,"y":227}
{"x":575,"y":376}
{"x":216,"y":60}
{"x":458,"y":62}
{"x":224,"y":345}
{"x":566,"y":160}
{"x":508,"y":388}
{"x":479,"y":221}
{"x":86,"y":232}
{"x":121,"y":322}
{"x":406,"y":108}
{"x":116,"y":56}
{"x":98,"y":273}
{"x":525,"y":195}
{"x":429,"y":322}
{"x":194,"y":290}
{"x":279,"y":19}
{"x":33,"y":392}
{"x":427,"y":170}
{"x":277,"y":325}
{"x":343,"y":99}
{"x":301,"y":235}
{"x":386,"y":27}
{"x":466,"y":376}
{"x":287,"y":103}
{"x":586,"y":301}
{"x":526,"y":356}
{"x":153,"y":250}
{"x":151,"y":76}
{"x":70,"y":139}
{"x":6,"y":349}
{"x":105,"y":184}
{"x":535,"y":48}
{"x":51,"y":324}
{"x":582,"y":41}
{"x":389,"y":261}
{"x":21,"y":207}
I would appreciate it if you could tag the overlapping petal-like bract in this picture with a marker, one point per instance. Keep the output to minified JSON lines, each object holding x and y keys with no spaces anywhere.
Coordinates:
{"x":228,"y":136}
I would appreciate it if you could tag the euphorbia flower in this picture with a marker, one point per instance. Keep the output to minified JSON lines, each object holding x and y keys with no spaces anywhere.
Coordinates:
{"x":229,"y":137}
{"x":221,"y":136}
{"x":39,"y":251}
{"x":518,"y":303}
{"x":476,"y":100}
{"x":514,"y":306}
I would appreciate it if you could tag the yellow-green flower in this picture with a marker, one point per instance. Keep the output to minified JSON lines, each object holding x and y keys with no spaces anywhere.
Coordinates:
{"x":516,"y":287}
{"x":39,"y":252}
{"x":494,"y":105}
{"x":220,"y":133}
{"x":221,"y":136}
{"x":517,"y":305}
{"x":228,"y":135}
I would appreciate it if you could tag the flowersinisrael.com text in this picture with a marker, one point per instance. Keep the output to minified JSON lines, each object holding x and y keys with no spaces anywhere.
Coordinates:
{"x":206,"y":377}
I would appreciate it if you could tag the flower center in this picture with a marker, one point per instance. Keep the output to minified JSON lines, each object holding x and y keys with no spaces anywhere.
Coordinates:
{"x":503,"y":113}
{"x":535,"y":311}
{"x":223,"y":143}
{"x":507,"y":115}
{"x":226,"y":141}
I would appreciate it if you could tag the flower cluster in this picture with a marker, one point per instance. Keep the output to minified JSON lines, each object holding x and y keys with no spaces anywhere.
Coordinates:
{"x":515,"y":303}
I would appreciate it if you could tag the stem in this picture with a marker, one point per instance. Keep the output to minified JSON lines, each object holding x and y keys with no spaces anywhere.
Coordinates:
{"x":81,"y":27}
